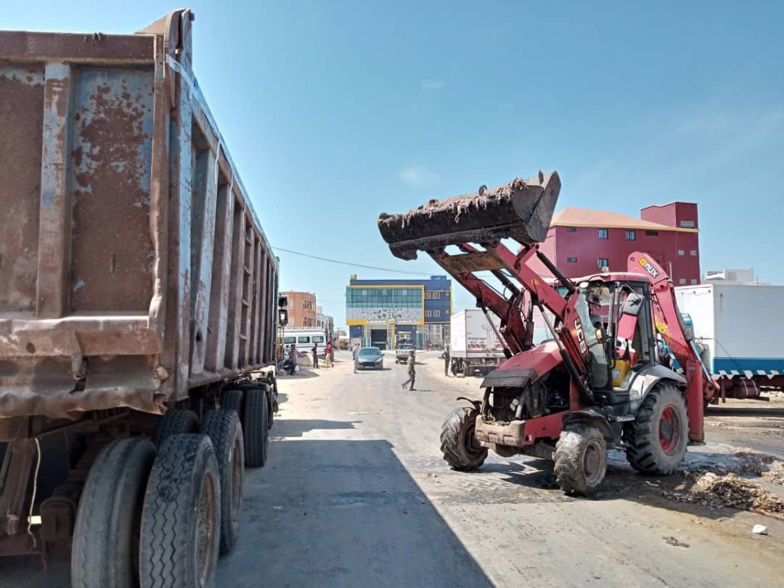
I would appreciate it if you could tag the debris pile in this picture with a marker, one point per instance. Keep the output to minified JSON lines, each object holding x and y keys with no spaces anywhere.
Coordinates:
{"x":714,"y":491}
{"x":775,"y":475}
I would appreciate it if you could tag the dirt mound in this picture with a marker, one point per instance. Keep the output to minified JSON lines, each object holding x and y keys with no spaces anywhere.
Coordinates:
{"x":730,"y":491}
{"x":775,"y":475}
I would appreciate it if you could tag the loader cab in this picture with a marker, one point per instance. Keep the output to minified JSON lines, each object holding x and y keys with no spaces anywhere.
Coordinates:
{"x":619,"y":332}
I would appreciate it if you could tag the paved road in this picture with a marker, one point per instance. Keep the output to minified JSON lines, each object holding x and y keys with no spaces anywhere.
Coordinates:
{"x":355,"y":494}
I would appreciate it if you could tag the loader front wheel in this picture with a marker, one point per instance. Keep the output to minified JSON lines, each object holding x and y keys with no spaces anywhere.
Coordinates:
{"x":657,"y":439}
{"x":458,"y":443}
{"x":580,"y":460}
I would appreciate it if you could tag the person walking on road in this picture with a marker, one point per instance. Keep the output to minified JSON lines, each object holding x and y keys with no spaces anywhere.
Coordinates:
{"x":292,"y":359}
{"x":355,"y":353}
{"x":411,"y":371}
{"x":315,"y":356}
{"x":445,"y":357}
{"x":328,"y":356}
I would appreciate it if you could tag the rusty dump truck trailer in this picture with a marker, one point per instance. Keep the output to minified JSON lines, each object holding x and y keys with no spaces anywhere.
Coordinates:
{"x":135,"y":282}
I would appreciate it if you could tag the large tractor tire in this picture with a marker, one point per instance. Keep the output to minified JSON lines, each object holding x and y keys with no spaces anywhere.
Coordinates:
{"x":580,"y":460}
{"x":175,"y":422}
{"x":459,"y":446}
{"x":255,"y":428}
{"x":658,"y":437}
{"x":223,"y":428}
{"x":181,"y":518}
{"x":106,"y":534}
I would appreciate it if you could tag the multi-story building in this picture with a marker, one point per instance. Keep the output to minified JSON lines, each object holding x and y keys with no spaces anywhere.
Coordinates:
{"x":301,"y":309}
{"x":381,"y":312}
{"x":581,"y":242}
{"x":325,"y":322}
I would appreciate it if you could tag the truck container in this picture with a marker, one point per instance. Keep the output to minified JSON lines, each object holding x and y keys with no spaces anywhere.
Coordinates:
{"x":474,"y":345}
{"x":738,"y":328}
{"x":138,"y":310}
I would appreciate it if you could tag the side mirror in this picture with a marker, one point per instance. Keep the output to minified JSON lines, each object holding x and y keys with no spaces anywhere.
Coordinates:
{"x":283,"y":317}
{"x":632,"y":305}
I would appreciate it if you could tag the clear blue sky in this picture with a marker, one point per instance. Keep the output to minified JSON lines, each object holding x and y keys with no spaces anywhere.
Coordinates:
{"x":337,"y":110}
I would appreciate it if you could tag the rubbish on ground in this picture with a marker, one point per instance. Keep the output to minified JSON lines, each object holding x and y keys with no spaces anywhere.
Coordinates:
{"x":760,"y":530}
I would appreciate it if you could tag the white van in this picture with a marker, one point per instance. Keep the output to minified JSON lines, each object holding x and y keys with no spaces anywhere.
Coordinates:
{"x":304,"y":339}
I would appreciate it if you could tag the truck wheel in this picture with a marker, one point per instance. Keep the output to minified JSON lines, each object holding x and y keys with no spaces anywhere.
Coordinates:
{"x":580,"y":460}
{"x":658,"y":437}
{"x":458,"y":444}
{"x":255,"y":429}
{"x":175,"y":422}
{"x":224,"y":430}
{"x":106,"y":534}
{"x":181,"y":518}
{"x":232,"y":400}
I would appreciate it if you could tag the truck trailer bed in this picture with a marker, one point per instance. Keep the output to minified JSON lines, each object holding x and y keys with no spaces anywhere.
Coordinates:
{"x":132,"y":265}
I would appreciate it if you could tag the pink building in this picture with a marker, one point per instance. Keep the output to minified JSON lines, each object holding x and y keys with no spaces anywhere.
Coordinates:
{"x":581,"y":242}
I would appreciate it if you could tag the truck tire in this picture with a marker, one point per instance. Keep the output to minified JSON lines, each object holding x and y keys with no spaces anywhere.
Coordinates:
{"x":272,"y":407}
{"x":658,"y":437}
{"x":224,"y":430}
{"x":181,"y":518}
{"x":232,"y":400}
{"x":175,"y":422}
{"x":580,"y":460}
{"x":459,"y":446}
{"x":106,"y":534}
{"x":255,"y":429}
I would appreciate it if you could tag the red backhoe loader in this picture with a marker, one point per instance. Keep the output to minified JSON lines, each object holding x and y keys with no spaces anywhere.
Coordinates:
{"x":597,"y":383}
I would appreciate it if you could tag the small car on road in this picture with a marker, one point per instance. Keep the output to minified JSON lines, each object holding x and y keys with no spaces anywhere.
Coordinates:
{"x":370,"y":358}
{"x":402,"y":352}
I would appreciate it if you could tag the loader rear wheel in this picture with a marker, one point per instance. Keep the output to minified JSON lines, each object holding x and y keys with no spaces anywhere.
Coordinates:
{"x":175,"y":422}
{"x":181,"y":518}
{"x":106,"y":534}
{"x":580,"y":460}
{"x":658,"y":438}
{"x":255,"y":428}
{"x":458,"y":443}
{"x":223,"y":428}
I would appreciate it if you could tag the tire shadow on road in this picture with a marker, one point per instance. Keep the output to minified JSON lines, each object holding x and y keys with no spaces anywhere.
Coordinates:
{"x":344,"y":513}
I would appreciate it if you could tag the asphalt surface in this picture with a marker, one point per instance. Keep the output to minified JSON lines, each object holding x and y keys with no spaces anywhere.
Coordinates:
{"x":355,"y":493}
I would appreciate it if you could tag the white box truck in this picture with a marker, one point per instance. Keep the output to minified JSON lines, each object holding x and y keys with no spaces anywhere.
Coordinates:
{"x":740,"y":327}
{"x":474,"y":346}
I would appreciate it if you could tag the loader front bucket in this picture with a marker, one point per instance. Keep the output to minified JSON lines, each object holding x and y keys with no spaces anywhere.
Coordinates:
{"x":521,"y":210}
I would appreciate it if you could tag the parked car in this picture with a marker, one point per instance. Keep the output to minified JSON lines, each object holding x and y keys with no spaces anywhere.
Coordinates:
{"x":402,"y":351}
{"x":370,"y":357}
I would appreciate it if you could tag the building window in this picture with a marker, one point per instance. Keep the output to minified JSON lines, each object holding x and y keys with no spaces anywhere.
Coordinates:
{"x":603,"y":262}
{"x":681,"y":252}
{"x":693,"y":253}
{"x":687,"y":224}
{"x":631,"y":235}
{"x":604,"y":234}
{"x":694,"y":282}
{"x":428,"y":314}
{"x":571,"y":260}
{"x":651,"y":233}
{"x":682,"y":281}
{"x":436,"y":295}
{"x":437,"y":314}
{"x":427,"y":296}
{"x":571,"y":229}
